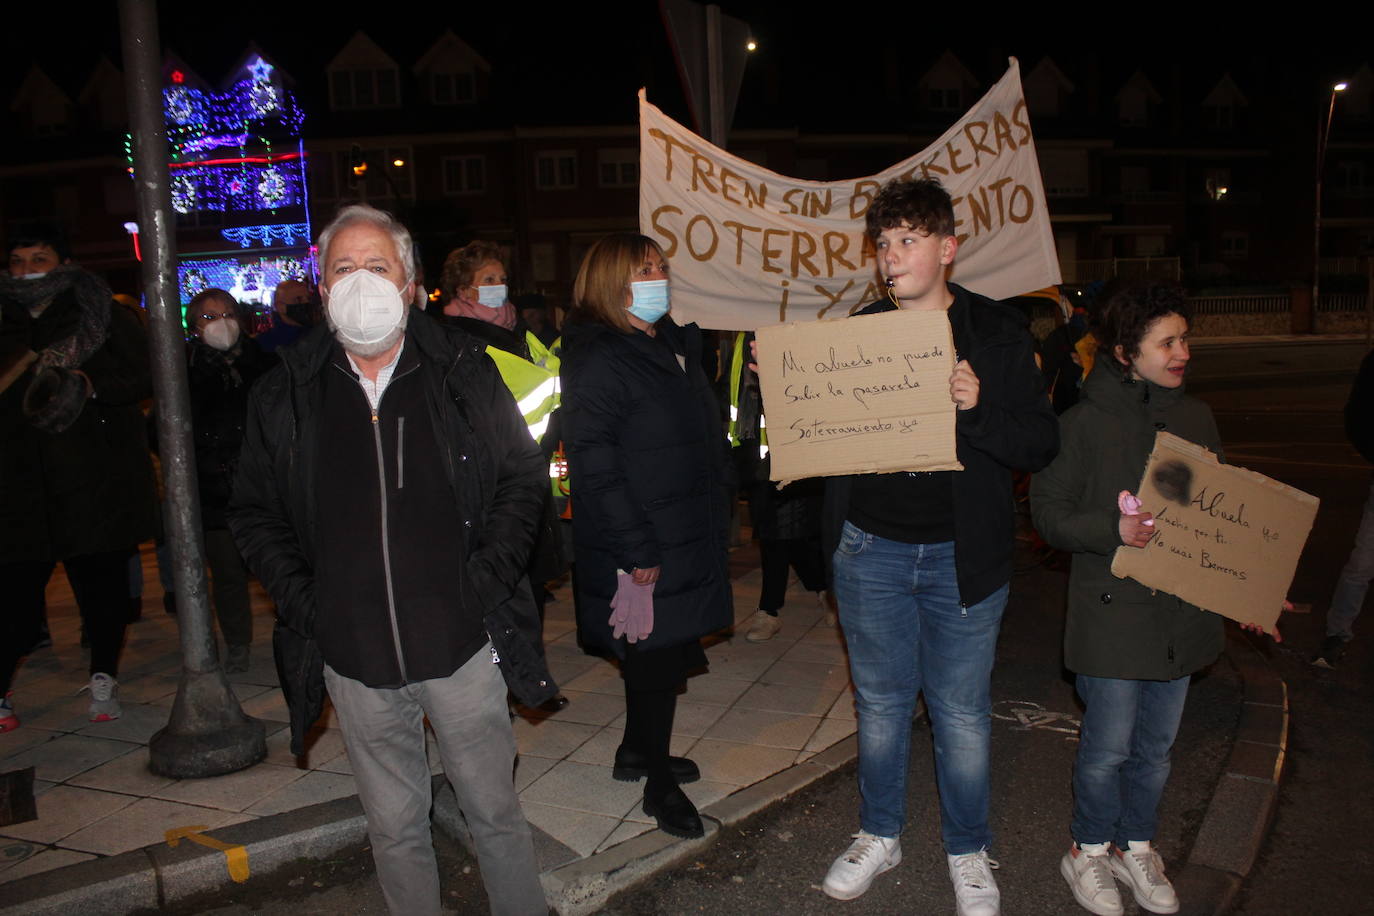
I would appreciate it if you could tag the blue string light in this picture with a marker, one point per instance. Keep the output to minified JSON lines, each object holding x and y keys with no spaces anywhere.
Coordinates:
{"x":268,"y":235}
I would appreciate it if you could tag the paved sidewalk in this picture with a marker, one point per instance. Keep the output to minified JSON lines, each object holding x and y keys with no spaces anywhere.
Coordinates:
{"x":761,"y":709}
{"x":767,"y":720}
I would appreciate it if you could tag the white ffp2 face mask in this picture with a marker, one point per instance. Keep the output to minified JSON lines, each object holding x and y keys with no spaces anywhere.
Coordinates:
{"x":222,"y":333}
{"x":364,"y":307}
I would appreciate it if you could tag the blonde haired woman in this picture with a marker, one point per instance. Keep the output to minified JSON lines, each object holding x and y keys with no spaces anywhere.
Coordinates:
{"x":650,"y":493}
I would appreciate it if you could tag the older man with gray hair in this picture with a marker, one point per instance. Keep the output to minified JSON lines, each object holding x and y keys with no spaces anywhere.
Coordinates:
{"x":386,"y":496}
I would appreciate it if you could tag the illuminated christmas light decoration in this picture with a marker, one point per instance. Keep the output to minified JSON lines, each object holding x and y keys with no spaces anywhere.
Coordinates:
{"x":269,"y":235}
{"x":272,"y":188}
{"x":184,"y":197}
{"x":198,"y":186}
{"x":222,"y":158}
{"x":250,"y":280}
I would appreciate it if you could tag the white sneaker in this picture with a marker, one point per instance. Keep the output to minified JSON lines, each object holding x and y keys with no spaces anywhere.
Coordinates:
{"x":865,"y":859}
{"x":974,"y":889}
{"x":104,"y":697}
{"x":1142,"y":869}
{"x":763,"y":626}
{"x":1089,"y":874}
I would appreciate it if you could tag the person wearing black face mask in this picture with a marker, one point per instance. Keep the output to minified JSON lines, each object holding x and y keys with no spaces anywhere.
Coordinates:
{"x":296,"y":308}
{"x":223,"y":362}
{"x":76,"y":480}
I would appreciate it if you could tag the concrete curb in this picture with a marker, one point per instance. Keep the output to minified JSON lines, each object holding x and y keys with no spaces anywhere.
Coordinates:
{"x":157,"y":875}
{"x":1242,"y":807}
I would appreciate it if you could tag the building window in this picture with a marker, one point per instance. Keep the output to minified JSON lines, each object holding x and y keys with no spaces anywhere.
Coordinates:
{"x":1133,"y":108}
{"x":945,"y":99}
{"x":354,"y":89}
{"x":1218,"y":183}
{"x":383,"y":180}
{"x":1065,"y":172}
{"x":1219,"y":117}
{"x":617,"y":168}
{"x":555,"y":170}
{"x":1349,"y":176}
{"x":465,"y":174}
{"x":452,"y":88}
{"x":1235,"y":245}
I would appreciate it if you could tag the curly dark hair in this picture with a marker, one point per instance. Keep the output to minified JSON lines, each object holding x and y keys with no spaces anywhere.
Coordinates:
{"x":462,"y":263}
{"x":1125,"y":312}
{"x":921,"y":203}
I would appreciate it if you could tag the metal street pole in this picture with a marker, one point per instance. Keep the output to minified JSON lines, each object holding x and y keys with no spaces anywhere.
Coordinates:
{"x":208,"y":733}
{"x":715,"y":78}
{"x":1323,"y":132}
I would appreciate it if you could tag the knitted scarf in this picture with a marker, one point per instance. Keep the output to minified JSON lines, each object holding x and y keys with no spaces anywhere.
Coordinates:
{"x":93,"y":298}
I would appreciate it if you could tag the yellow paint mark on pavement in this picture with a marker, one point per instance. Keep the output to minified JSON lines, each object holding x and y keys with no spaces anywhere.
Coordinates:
{"x":235,"y":856}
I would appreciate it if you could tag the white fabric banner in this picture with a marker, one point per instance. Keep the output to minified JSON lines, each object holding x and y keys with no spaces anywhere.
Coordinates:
{"x":749,"y":247}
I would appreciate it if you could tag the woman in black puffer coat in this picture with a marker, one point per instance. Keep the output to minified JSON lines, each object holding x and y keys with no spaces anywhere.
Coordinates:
{"x":650,"y":498}
{"x":224,"y":363}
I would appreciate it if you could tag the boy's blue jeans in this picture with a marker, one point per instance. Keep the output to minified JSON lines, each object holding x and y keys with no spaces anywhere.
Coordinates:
{"x":907,"y":633}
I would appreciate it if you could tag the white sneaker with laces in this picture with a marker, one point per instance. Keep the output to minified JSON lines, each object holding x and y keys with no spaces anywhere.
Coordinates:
{"x":104,"y":697}
{"x":974,"y":889}
{"x":1140,"y":867}
{"x":763,"y":626}
{"x":865,"y":859}
{"x":1089,"y":873}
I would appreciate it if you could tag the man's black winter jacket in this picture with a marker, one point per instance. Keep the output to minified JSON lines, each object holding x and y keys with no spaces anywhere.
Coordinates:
{"x":496,"y":471}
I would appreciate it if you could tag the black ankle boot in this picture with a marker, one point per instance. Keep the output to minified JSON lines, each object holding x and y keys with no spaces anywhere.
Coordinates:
{"x":632,"y":766}
{"x":674,"y":811}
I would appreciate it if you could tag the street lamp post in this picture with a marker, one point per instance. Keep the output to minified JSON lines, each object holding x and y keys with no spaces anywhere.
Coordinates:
{"x":1323,"y":132}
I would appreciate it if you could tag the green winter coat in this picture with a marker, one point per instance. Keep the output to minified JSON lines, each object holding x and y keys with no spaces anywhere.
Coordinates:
{"x":1118,"y":627}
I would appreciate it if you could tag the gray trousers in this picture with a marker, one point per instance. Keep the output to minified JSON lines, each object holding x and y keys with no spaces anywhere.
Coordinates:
{"x":384,"y":733}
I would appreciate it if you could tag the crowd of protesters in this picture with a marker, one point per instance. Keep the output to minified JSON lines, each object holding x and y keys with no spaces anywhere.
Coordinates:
{"x":407,"y":485}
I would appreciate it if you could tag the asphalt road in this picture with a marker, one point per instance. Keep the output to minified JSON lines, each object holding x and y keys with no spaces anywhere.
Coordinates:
{"x":1290,"y":427}
{"x":1279,"y":413}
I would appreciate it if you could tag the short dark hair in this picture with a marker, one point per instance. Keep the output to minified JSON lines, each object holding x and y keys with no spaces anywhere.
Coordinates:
{"x":921,"y":203}
{"x":1126,"y":311}
{"x":214,"y":294}
{"x":34,"y":233}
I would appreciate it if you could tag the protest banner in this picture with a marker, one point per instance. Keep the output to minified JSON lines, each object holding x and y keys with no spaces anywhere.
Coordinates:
{"x":866,"y":395}
{"x":1228,"y":539}
{"x":750,"y":247}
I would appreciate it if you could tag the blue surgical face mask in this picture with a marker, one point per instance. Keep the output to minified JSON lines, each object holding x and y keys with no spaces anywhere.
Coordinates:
{"x":649,"y":299}
{"x":493,"y":297}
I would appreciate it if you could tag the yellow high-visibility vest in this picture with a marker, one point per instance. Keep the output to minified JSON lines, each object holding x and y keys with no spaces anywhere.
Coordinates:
{"x":736,"y":373}
{"x":533,"y":382}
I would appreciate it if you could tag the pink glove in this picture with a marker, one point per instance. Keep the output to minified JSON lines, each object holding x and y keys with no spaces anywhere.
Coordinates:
{"x":632,"y":609}
{"x":1129,"y":504}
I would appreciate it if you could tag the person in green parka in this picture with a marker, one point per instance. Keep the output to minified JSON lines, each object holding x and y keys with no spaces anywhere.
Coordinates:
{"x":1133,"y":650}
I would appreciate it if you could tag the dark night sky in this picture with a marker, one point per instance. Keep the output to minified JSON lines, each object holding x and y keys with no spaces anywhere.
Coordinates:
{"x":581,"y":62}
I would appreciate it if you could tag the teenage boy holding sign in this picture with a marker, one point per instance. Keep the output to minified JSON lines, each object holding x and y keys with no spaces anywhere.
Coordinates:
{"x":922,"y":560}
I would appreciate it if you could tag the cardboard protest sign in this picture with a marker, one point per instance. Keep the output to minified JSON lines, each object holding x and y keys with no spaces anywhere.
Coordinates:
{"x":866,"y":395}
{"x":1228,"y":539}
{"x":751,"y":247}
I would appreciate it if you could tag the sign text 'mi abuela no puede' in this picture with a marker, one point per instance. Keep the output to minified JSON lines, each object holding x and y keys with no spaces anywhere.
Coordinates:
{"x":869,"y":394}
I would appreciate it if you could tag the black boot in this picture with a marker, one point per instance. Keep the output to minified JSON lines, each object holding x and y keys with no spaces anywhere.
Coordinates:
{"x":674,"y":811}
{"x":632,"y":766}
